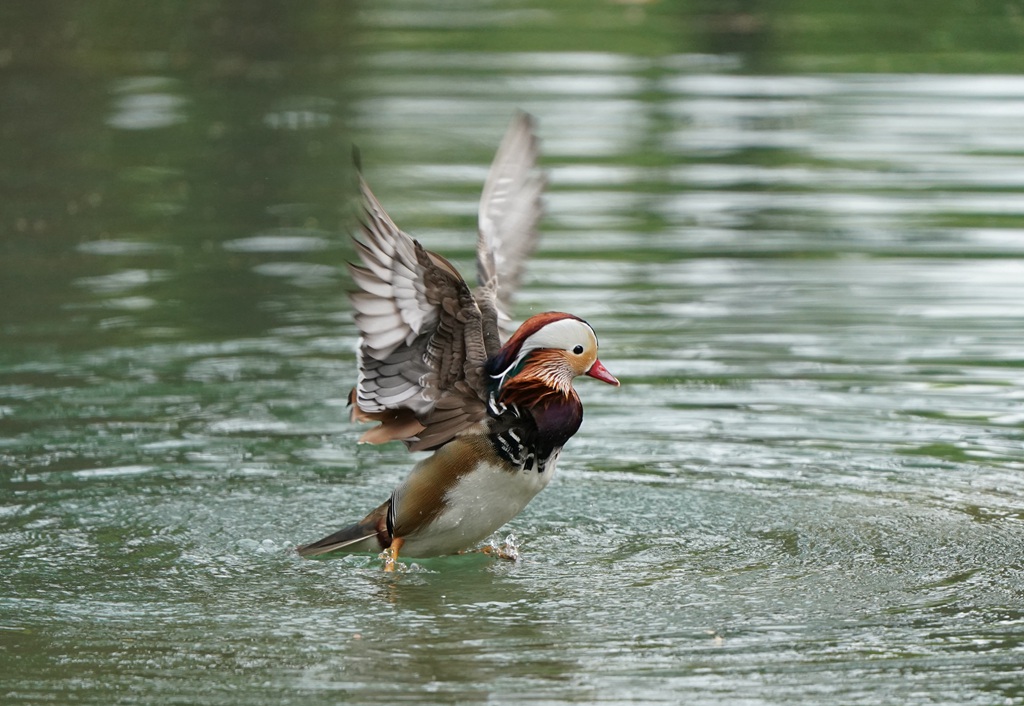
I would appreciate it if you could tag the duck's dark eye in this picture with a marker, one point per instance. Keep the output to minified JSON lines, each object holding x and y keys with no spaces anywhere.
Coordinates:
{"x":578,"y":350}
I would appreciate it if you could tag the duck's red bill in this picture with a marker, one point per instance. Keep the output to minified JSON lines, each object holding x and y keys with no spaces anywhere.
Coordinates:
{"x":598,"y":371}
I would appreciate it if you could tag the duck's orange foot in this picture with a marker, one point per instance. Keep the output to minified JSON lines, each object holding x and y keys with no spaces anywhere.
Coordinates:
{"x":390,"y":555}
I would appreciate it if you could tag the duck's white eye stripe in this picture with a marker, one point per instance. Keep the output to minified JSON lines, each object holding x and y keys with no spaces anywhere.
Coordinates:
{"x":560,"y":334}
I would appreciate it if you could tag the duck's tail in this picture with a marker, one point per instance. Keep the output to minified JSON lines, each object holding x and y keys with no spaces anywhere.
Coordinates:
{"x":369,"y":535}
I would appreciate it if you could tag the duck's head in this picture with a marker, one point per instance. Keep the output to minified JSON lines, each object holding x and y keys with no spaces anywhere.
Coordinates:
{"x":552,"y":348}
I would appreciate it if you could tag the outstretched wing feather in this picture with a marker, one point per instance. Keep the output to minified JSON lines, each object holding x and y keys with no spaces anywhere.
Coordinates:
{"x":421,"y":337}
{"x":510,"y":209}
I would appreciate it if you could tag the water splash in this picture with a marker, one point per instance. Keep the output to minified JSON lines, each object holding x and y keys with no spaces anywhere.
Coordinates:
{"x":509,"y":549}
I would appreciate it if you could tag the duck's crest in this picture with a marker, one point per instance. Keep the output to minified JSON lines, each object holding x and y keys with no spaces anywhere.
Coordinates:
{"x":511,"y":354}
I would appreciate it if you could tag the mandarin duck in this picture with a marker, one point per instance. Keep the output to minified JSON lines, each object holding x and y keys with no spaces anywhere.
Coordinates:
{"x":435,"y":370}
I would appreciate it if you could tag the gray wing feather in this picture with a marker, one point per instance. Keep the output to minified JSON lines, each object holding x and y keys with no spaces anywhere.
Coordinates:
{"x":425,"y":337}
{"x":510,"y":209}
{"x":421,"y":341}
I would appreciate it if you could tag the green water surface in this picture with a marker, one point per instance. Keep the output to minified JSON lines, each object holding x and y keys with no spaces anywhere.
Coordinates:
{"x":798,"y":230}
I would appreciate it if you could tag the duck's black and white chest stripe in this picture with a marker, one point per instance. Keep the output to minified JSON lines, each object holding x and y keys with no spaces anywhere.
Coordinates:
{"x":517,"y":439}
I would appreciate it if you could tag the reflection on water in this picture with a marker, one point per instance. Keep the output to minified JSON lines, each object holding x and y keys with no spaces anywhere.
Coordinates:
{"x":807,"y":489}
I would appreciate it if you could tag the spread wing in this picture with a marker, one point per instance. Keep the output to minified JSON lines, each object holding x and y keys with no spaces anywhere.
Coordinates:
{"x":421,"y":352}
{"x":510,"y":209}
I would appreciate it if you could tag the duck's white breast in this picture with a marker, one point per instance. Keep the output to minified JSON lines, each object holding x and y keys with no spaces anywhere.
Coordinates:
{"x":481,"y":502}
